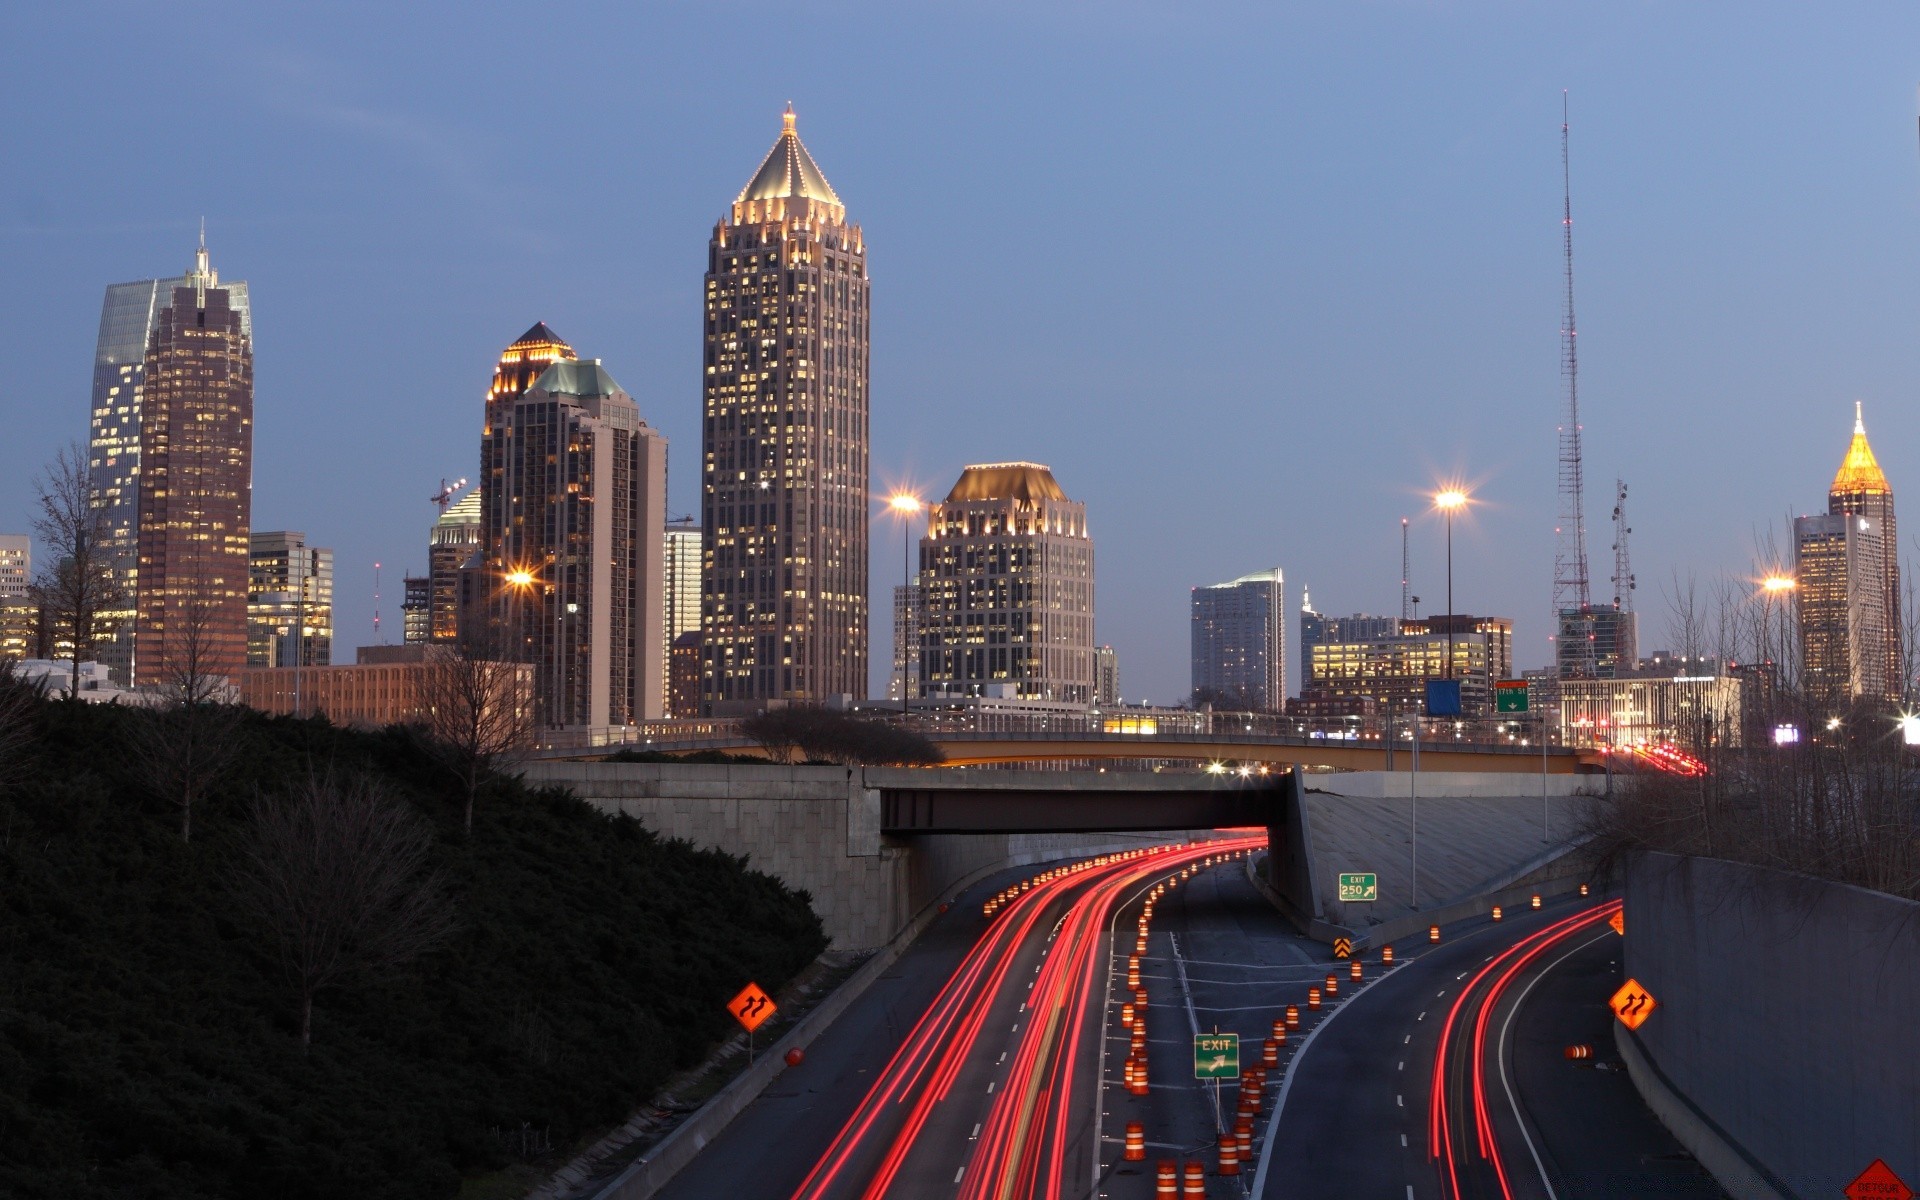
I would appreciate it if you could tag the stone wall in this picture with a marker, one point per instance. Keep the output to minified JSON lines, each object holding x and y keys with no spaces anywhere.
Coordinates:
{"x":1786,"y":1022}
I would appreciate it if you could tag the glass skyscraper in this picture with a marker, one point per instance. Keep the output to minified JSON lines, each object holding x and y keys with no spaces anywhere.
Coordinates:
{"x":1239,"y":645}
{"x":127,"y":319}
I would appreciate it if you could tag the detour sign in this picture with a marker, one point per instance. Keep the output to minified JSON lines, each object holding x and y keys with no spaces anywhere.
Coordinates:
{"x":1878,"y":1182}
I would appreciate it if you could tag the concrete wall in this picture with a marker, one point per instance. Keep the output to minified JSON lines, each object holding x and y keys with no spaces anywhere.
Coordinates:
{"x":818,"y":828}
{"x":1436,"y":784}
{"x":1788,"y":1020}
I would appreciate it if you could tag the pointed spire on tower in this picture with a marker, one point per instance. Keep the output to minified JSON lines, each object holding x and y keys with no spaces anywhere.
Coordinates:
{"x":788,"y":172}
{"x":202,"y":274}
{"x":1860,"y":472}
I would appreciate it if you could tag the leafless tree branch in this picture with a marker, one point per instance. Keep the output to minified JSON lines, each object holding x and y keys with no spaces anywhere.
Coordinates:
{"x":77,"y":586}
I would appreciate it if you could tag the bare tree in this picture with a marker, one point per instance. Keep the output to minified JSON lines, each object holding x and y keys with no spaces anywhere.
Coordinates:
{"x":339,"y":873}
{"x":78,"y":586}
{"x":802,"y":732}
{"x":479,"y":714}
{"x":189,"y":746}
{"x":18,"y":701}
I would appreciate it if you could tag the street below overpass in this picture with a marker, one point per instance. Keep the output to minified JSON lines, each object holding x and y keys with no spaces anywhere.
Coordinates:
{"x":992,"y":1059}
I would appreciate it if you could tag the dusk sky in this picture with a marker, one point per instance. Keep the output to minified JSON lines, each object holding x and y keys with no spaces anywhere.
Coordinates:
{"x":1250,"y":278}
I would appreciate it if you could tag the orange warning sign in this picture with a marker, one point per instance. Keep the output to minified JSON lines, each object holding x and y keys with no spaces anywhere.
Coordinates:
{"x":1633,"y":1004}
{"x":1619,"y":922}
{"x":751,"y":1007}
{"x":1878,"y":1182}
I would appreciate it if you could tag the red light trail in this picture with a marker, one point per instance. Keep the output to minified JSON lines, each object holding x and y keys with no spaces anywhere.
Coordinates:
{"x":1028,"y":1136}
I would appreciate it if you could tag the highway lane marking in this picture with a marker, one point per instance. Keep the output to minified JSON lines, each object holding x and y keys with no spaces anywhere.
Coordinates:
{"x":1409,"y":1192}
{"x":1506,"y":1080}
{"x":1421,"y":1017}
{"x":1441,"y":992}
{"x":976,"y":1133}
{"x":1403,"y":1065}
{"x":958,"y":1174}
{"x":990,"y":1084}
{"x":1406,"y":1039}
{"x":1461,"y":975}
{"x":1003,"y":1057}
{"x":1403,"y":1145}
{"x":1400,"y":1101}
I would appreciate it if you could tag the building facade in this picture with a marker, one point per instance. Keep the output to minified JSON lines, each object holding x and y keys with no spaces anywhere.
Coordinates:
{"x":784,"y":483}
{"x":1319,"y":627}
{"x":1692,"y":711}
{"x":1390,"y":673}
{"x":1239,"y":641}
{"x":904,"y":679}
{"x":1006,"y":582}
{"x":1106,"y":676}
{"x":289,"y":589}
{"x":367,"y":695}
{"x":1860,"y":490}
{"x":195,"y":485}
{"x":19,"y":615}
{"x":1600,"y":641}
{"x":574,"y":497}
{"x":681,"y":564}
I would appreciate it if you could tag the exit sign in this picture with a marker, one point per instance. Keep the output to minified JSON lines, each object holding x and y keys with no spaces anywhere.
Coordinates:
{"x":1359,"y":886}
{"x":1510,"y":696}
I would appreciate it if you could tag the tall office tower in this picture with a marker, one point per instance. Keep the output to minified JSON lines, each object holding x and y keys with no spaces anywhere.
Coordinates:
{"x":574,"y":496}
{"x":195,"y":484}
{"x":455,"y":538}
{"x":1860,"y":489}
{"x":904,"y":679}
{"x":1318,"y":628}
{"x":1392,"y":669}
{"x":1240,"y":640}
{"x":289,"y":588}
{"x":480,"y":581}
{"x":1106,"y":676}
{"x":416,"y":609}
{"x":1006,"y":576}
{"x":783,"y":506}
{"x":18,"y":615}
{"x":681,"y":563}
{"x":1839,"y":560}
{"x":127,"y":319}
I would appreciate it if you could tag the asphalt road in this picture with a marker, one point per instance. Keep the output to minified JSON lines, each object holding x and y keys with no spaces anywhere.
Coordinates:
{"x":1358,"y":1116}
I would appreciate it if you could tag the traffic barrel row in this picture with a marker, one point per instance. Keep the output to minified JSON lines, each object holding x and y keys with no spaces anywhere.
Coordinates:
{"x":1136,"y":1146}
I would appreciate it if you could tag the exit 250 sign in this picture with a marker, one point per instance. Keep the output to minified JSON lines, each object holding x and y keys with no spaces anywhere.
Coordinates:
{"x":1359,"y":886}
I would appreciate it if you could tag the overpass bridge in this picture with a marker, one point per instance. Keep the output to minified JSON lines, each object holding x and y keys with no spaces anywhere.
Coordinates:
{"x":1270,"y":750}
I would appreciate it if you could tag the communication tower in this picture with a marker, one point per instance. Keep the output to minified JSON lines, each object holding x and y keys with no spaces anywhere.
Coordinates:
{"x":1571,"y":594}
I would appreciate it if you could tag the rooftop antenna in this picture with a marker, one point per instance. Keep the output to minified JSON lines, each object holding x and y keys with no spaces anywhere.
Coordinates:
{"x":1622,"y":565}
{"x":377,"y":639}
{"x":1406,"y":594}
{"x":1570,"y":586}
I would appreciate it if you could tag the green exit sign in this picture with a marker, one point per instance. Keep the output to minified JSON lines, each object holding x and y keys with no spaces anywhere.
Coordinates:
{"x":1510,"y":696}
{"x":1216,"y":1056}
{"x":1359,"y":886}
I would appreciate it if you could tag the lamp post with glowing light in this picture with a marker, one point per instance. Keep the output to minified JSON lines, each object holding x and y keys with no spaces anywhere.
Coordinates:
{"x":519,"y":582}
{"x":1447,"y":502}
{"x":1780,"y":586}
{"x":905,"y":506}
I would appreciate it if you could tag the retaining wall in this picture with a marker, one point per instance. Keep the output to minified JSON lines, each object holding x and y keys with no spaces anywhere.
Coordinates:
{"x":1787,"y":1026}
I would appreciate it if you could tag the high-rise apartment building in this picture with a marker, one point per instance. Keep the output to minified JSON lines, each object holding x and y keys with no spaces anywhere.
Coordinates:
{"x":195,"y":484}
{"x":1006,"y":578}
{"x":1106,"y":676}
{"x":1317,"y":628}
{"x":1239,"y":641}
{"x":1860,"y":490}
{"x":574,"y":497}
{"x":16,"y":566}
{"x":784,"y":486}
{"x":18,"y":612}
{"x":416,"y":609}
{"x":454,"y":540}
{"x":289,"y":589}
{"x":681,"y":564}
{"x":128,"y":316}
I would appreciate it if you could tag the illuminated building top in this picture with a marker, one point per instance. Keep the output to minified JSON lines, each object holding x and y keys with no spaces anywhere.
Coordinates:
{"x":1860,"y":473}
{"x":522,"y":362}
{"x":1023,"y":482}
{"x":789,"y":172}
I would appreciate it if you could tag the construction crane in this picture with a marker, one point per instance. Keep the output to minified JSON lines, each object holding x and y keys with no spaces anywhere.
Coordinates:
{"x":443,"y":499}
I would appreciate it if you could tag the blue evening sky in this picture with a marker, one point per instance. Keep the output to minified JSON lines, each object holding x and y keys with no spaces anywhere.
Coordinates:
{"x":1250,"y":278}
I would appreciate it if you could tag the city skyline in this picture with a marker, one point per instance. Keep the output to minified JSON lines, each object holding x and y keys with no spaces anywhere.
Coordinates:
{"x":1089,"y":407}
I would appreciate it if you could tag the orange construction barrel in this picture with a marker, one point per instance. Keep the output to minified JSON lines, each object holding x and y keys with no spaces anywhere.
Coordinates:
{"x":1194,"y":1184}
{"x":1270,"y":1051}
{"x":1166,"y":1180}
{"x":1136,"y":1150}
{"x":1293,"y":1016}
{"x":1126,"y":1016}
{"x":1583,"y":889}
{"x":1313,"y":1000}
{"x":1353,"y":970}
{"x":1333,"y":984}
{"x":1575,"y":1053}
{"x":1229,"y":1154}
{"x":1496,"y":912}
{"x":1386,"y":956}
{"x":1536,"y":899}
{"x":1433,"y":933}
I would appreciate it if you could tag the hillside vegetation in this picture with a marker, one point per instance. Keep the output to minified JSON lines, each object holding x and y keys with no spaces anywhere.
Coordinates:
{"x":150,"y":1027}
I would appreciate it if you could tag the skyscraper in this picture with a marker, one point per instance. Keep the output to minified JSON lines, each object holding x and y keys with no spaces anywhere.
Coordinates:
{"x":454,"y":539}
{"x":1239,"y":642}
{"x":1860,"y":489}
{"x":1006,"y":582}
{"x":1106,"y":676}
{"x":682,"y":566}
{"x":195,"y":484}
{"x":784,"y":488}
{"x":290,"y":587}
{"x":903,"y":682}
{"x":574,"y":497}
{"x":127,"y":319}
{"x":18,"y":613}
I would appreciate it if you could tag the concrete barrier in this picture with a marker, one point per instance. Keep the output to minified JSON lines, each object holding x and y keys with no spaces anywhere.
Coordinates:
{"x":1436,"y":785}
{"x":1785,"y":1018}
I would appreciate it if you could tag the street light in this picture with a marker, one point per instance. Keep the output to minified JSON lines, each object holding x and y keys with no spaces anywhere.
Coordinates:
{"x":905,"y":506}
{"x":1447,"y":501}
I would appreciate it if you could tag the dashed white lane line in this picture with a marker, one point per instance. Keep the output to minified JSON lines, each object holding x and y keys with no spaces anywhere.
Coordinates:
{"x":1403,"y":1064}
{"x":958,"y":1174}
{"x":1421,"y":1017}
{"x":976,"y":1133}
{"x":1003,"y":1056}
{"x":990,"y":1084}
{"x":1400,"y":1100}
{"x":1403,"y":1141}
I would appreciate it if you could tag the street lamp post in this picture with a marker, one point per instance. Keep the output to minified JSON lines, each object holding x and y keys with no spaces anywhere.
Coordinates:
{"x":905,"y":506}
{"x":1446,"y":502}
{"x":519,"y":581}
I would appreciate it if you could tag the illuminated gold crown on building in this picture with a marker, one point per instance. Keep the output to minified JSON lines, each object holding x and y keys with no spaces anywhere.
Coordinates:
{"x":1860,"y":473}
{"x":789,"y":172}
